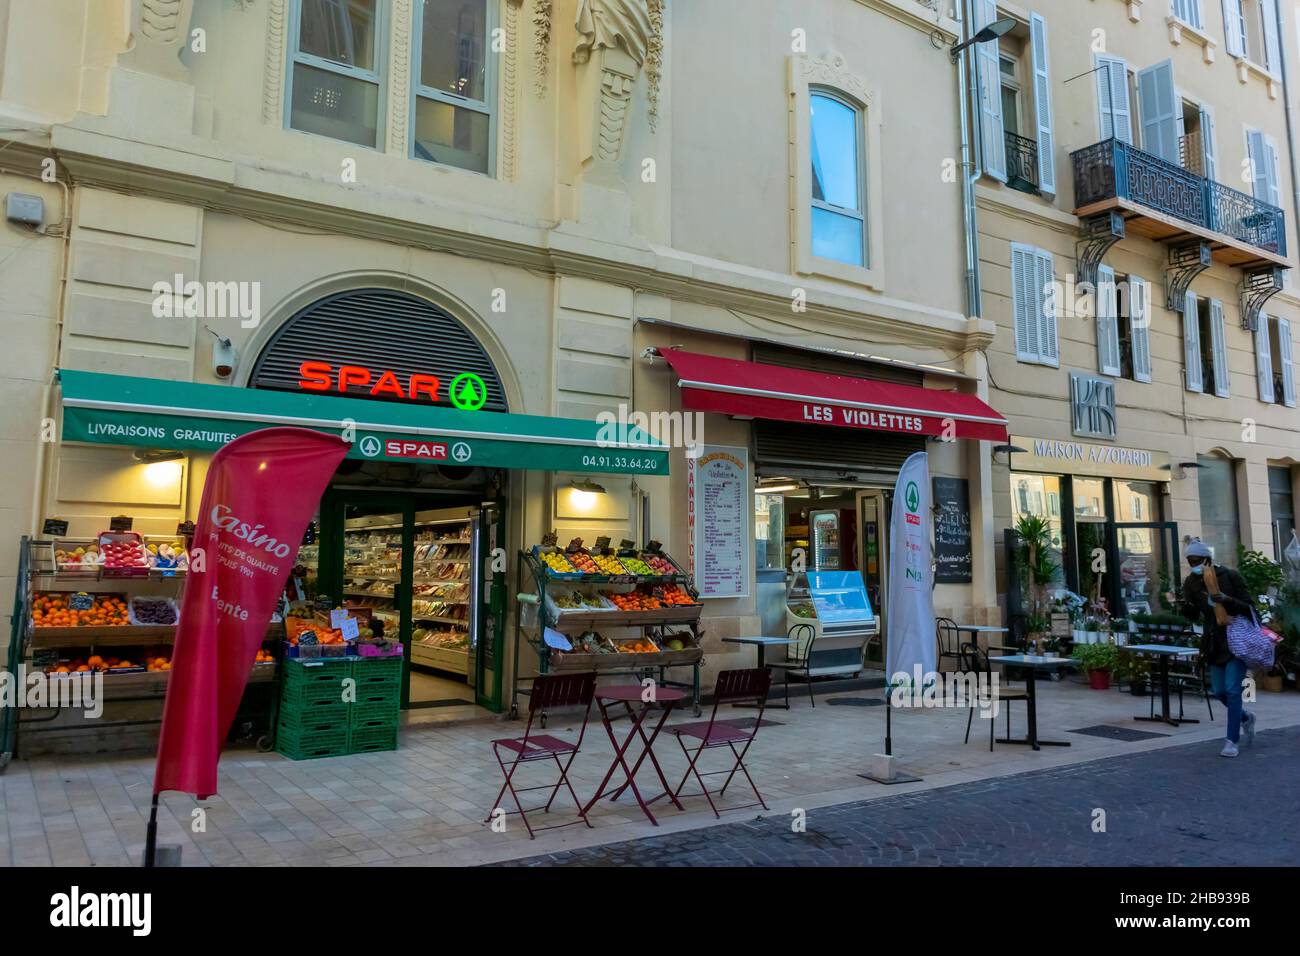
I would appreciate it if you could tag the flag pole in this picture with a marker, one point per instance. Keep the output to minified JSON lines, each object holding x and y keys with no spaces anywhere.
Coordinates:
{"x":151,"y":835}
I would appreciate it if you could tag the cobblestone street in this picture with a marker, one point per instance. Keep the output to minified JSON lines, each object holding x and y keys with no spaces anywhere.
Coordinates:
{"x":1177,"y":806}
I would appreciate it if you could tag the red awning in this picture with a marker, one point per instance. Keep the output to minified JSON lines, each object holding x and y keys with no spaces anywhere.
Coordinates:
{"x":754,"y":390}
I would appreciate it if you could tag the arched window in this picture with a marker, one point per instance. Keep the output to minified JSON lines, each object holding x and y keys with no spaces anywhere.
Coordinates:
{"x":839,"y":224}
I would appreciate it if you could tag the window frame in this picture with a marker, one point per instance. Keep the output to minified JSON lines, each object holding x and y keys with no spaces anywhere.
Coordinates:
{"x":294,"y":56}
{"x":1195,"y":6}
{"x":860,"y":214}
{"x":489,"y":106}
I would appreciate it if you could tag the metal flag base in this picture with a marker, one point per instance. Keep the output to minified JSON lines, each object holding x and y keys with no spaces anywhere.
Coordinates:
{"x":883,"y":770}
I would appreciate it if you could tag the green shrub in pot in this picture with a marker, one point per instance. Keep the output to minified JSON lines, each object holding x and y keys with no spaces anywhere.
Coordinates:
{"x":1096,"y":657}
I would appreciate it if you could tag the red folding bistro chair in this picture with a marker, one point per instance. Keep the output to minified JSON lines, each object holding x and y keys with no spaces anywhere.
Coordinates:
{"x":747,"y":686}
{"x":549,"y":692}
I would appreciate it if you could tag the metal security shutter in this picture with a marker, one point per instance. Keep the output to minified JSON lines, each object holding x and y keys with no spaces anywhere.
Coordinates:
{"x":782,"y":447}
{"x":378,"y":329}
{"x":811,"y":361}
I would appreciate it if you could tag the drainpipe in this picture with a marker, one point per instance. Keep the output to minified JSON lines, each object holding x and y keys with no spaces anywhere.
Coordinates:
{"x":967,"y":93}
{"x":1287,"y":106}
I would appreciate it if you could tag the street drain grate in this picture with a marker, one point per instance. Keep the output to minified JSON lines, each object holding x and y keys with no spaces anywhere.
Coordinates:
{"x":1127,"y":734}
{"x":855,"y":702}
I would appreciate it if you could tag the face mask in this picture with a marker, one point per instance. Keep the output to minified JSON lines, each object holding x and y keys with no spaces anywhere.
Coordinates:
{"x":1198,"y":569}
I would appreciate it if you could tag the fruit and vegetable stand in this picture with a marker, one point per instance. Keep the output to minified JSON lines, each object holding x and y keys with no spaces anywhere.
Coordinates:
{"x":619,"y":611}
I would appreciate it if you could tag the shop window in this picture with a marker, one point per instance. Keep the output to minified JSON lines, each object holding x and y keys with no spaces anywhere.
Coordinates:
{"x":839,"y":226}
{"x":334,"y":70}
{"x":1136,"y":501}
{"x":769,"y":531}
{"x":1040,"y":495}
{"x":1216,"y":481}
{"x":1281,"y":503}
{"x":1089,"y":498}
{"x":454,"y":86}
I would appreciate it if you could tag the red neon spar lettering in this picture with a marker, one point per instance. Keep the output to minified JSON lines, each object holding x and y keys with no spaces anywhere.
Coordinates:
{"x":321,"y":377}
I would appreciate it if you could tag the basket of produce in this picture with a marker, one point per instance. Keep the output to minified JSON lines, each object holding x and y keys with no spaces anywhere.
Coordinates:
{"x":634,"y":651}
{"x":65,"y":610}
{"x":662,"y":565}
{"x":379,"y":648}
{"x":144,"y":611}
{"x":557,"y":563}
{"x":72,"y":556}
{"x":123,"y":554}
{"x":572,"y":601}
{"x":678,"y":647}
{"x":590,"y":650}
{"x":666,"y":603}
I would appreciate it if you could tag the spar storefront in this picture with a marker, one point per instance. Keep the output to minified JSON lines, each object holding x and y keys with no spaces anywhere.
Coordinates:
{"x":418,"y":533}
{"x":817,"y":439}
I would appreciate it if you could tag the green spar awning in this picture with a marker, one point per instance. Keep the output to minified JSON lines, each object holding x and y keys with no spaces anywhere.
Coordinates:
{"x":122,"y":410}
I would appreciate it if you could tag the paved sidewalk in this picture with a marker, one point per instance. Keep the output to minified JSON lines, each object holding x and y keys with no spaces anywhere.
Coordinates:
{"x":424,"y":804}
{"x":1176,"y":806}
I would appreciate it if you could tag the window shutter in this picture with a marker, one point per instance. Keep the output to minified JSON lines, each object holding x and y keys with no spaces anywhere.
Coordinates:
{"x":1158,"y":101}
{"x":1192,"y":345}
{"x":1112,"y":99}
{"x":1264,"y":361}
{"x":1268,"y":12}
{"x":1219,"y":348}
{"x":993,"y":138}
{"x":1107,"y":322}
{"x":1048,"y":351}
{"x":1255,"y":152}
{"x":1274,"y":196}
{"x":1024,"y":302}
{"x":1234,"y":27}
{"x":1043,"y":105}
{"x":1207,"y":143}
{"x":1189,"y":11}
{"x":1139,"y":310}
{"x":1288,"y":365}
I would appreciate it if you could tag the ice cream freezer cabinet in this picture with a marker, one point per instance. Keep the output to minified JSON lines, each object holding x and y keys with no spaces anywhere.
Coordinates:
{"x":840,"y":621}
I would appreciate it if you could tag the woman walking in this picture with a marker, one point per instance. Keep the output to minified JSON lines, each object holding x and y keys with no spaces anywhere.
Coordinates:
{"x":1212,"y":594}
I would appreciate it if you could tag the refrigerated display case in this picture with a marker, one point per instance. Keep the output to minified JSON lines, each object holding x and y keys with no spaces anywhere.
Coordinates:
{"x":834,"y":539}
{"x":836,"y":606}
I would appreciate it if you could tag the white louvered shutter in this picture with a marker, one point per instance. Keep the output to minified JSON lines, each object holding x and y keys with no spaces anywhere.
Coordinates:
{"x":1158,"y":101}
{"x":1256,"y":151}
{"x":1288,"y":364}
{"x":1192,"y":344}
{"x":1268,"y":12}
{"x":992,"y":131}
{"x":1023,"y":273}
{"x":1264,"y":361}
{"x":1272,"y":194}
{"x":1114,"y":114}
{"x":1219,"y":349}
{"x":1234,"y":27}
{"x":1207,"y":143}
{"x":1043,"y":105}
{"x":1139,"y":310}
{"x":1048,"y":351}
{"x":1107,"y":322}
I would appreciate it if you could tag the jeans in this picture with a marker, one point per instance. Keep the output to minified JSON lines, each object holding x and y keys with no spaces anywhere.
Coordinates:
{"x":1225,"y":683}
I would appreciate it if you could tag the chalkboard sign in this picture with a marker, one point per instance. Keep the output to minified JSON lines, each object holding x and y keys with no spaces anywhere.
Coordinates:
{"x":55,"y":527}
{"x":323,"y":602}
{"x":120,"y":523}
{"x":81,"y":601}
{"x":185,"y":529}
{"x":952,"y":542}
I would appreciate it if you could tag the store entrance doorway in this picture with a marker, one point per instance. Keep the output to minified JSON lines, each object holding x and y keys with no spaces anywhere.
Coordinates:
{"x":873,"y":561}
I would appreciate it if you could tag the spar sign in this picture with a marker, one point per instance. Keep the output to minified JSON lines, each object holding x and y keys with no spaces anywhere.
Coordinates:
{"x":911,"y":575}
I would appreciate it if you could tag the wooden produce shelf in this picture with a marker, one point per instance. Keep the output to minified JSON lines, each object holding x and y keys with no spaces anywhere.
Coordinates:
{"x":154,"y":683}
{"x":455,"y":660}
{"x":590,"y":620}
{"x":122,"y":635}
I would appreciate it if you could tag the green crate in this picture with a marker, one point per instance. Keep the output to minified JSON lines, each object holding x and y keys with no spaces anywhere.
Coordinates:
{"x":310,"y":746}
{"x":359,"y":714}
{"x":296,"y":672}
{"x":372,"y":740}
{"x":320,"y":693}
{"x":377,"y":671}
{"x":314,"y":720}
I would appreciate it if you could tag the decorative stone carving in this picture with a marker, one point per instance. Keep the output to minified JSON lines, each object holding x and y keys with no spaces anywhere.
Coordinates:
{"x":831,"y":70}
{"x":274,"y":65}
{"x":510,"y":92}
{"x":609,"y":24}
{"x":618,"y":37}
{"x":159,"y":31}
{"x":399,"y":90}
{"x":542,"y":40}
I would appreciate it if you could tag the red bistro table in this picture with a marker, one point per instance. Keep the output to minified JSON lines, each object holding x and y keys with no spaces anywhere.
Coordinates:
{"x":627,"y":695}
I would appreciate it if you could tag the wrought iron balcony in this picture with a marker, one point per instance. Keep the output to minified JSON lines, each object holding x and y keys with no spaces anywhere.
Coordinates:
{"x":1166,"y":202}
{"x":1022,"y":163}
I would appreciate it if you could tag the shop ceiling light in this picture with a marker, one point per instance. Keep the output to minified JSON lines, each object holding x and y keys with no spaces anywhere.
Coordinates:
{"x":587,"y":485}
{"x":777,"y":489}
{"x":150,"y":456}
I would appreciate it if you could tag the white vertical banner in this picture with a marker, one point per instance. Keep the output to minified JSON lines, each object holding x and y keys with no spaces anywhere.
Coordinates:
{"x":911,"y":639}
{"x":719,"y":511}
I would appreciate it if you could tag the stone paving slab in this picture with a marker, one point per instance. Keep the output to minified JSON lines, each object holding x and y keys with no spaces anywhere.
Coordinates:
{"x":427,"y":800}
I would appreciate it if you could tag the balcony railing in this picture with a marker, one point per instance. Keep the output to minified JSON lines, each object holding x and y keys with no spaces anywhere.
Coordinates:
{"x":1022,"y":162}
{"x":1116,"y":170}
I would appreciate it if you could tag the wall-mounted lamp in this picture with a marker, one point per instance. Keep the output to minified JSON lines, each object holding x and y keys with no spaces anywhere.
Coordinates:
{"x":1177,"y":470}
{"x":1008,"y":450}
{"x":149,"y":456}
{"x":587,"y":485}
{"x":995,"y":30}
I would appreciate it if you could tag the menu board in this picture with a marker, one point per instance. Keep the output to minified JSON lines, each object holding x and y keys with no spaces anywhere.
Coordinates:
{"x":952,"y":539}
{"x":719,"y":505}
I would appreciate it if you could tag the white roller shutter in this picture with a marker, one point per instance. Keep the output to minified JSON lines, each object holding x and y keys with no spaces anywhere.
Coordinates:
{"x":993,"y":138}
{"x":1115,"y":117}
{"x":1288,"y":364}
{"x":1048,"y":351}
{"x":1158,"y":102}
{"x":1107,"y":322}
{"x":1219,"y":349}
{"x":1234,"y":27}
{"x":1139,"y":310}
{"x":1264,"y":361}
{"x":1192,"y":345}
{"x":1043,"y":105}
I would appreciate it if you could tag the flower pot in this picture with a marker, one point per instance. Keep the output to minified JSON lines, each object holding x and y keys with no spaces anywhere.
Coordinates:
{"x":1099,"y":680}
{"x":1080,"y":635}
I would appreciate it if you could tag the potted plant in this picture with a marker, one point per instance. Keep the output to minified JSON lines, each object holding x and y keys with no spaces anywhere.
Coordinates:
{"x":1133,"y":670}
{"x":1037,"y":569}
{"x":1119,"y":630}
{"x":1097,"y":661}
{"x":1264,"y":580}
{"x":1092,"y":631}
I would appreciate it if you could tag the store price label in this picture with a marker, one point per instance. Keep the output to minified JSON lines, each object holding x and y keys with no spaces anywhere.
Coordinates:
{"x":323,"y":602}
{"x":350,"y":628}
{"x":337,"y":616}
{"x":81,"y":601}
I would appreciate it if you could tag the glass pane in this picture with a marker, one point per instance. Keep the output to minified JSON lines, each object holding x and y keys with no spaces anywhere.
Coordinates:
{"x":1220,"y":529}
{"x":838,"y":237}
{"x":339,"y":30}
{"x":1010,"y":111}
{"x":372,"y":566}
{"x":1091,"y":536}
{"x":1136,"y":501}
{"x":451,"y":135}
{"x":329,"y":104}
{"x":1141,"y":556}
{"x":453,"y":47}
{"x":1090,"y":498}
{"x":769,"y":531}
{"x":1041,"y":495}
{"x":835,"y":152}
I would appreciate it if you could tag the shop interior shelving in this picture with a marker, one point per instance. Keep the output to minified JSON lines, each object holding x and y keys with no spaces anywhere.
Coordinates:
{"x":535,"y":613}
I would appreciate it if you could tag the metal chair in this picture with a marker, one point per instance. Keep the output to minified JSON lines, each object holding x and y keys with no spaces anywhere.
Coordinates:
{"x":799,"y":665}
{"x":949,"y":641}
{"x":549,"y":692}
{"x":1182,"y":677}
{"x":977,"y":661}
{"x":742,"y":686}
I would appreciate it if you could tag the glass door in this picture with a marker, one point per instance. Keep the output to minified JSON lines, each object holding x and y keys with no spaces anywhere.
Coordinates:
{"x":1143,"y":553}
{"x":873,"y":560}
{"x":487,"y":585}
